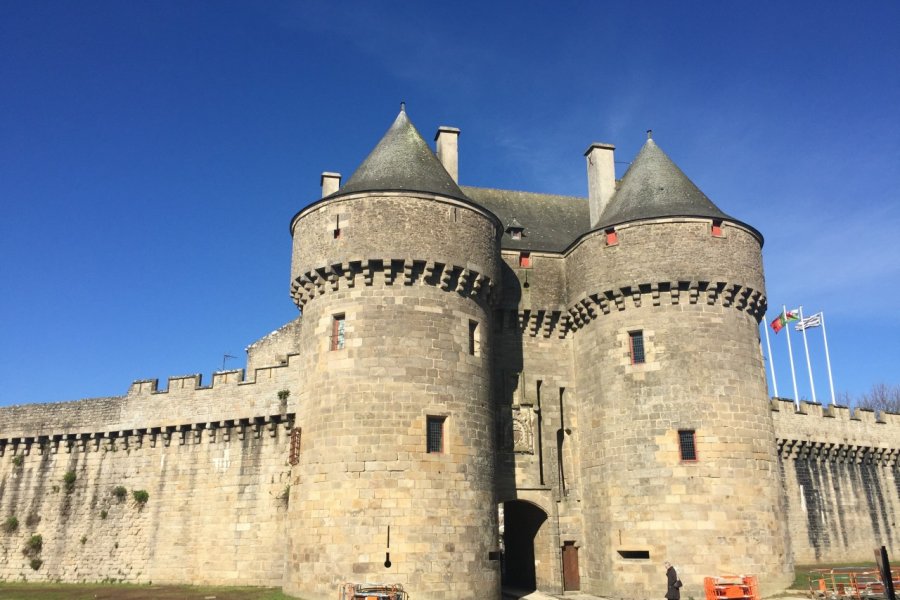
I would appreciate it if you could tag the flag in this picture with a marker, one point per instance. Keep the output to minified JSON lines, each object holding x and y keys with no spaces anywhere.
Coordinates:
{"x":785,"y":318}
{"x":813,"y":321}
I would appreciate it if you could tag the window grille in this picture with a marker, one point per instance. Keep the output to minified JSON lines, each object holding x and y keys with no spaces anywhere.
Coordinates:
{"x":337,"y":332}
{"x":295,"y":446}
{"x":636,"y":341}
{"x":435,"y":435}
{"x":687,"y":444}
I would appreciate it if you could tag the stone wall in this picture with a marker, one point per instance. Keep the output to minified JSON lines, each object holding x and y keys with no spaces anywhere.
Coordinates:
{"x":215,"y":513}
{"x":842,"y":480}
{"x":214,"y":461}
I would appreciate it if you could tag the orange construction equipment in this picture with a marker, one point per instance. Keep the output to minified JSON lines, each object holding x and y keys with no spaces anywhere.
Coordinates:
{"x":731,"y":587}
{"x":849,"y":583}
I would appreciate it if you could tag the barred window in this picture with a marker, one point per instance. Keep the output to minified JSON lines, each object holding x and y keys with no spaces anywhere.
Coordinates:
{"x":435,"y":435}
{"x":636,"y":342}
{"x":687,"y":444}
{"x":295,"y":446}
{"x":337,"y":332}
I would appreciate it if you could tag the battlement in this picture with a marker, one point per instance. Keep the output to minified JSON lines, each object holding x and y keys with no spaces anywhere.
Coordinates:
{"x":112,"y":440}
{"x":468,"y":280}
{"x":230,"y":396}
{"x":834,"y":425}
{"x":730,"y":295}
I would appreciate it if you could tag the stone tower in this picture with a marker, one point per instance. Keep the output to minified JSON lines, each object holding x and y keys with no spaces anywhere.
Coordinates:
{"x":395,"y":473}
{"x":670,"y":292}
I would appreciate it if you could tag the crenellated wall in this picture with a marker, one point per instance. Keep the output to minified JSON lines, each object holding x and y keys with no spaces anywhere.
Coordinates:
{"x":213,"y":459}
{"x":842,"y":480}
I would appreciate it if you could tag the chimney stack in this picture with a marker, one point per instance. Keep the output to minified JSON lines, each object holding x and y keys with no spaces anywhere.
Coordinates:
{"x":331,"y":182}
{"x":447,"y":139}
{"x":601,"y":168}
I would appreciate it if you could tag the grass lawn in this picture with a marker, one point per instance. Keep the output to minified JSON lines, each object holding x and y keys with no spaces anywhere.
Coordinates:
{"x":107,"y":591}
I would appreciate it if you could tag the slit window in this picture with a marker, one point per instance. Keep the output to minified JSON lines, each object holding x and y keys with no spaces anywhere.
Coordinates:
{"x":337,"y":332}
{"x":687,"y":444}
{"x":434,"y":434}
{"x":636,"y":344}
{"x":474,"y":339}
{"x":634,"y":554}
{"x":525,"y":260}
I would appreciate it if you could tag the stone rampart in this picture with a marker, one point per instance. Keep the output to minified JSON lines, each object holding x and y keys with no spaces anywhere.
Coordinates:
{"x":842,"y":480}
{"x":217,"y":499}
{"x":185,"y":400}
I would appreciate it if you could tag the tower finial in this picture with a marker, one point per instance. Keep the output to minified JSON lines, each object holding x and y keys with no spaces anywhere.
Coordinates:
{"x":649,"y":134}
{"x":402,"y":106}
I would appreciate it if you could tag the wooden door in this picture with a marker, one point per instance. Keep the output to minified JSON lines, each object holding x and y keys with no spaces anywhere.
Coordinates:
{"x":571,"y":580}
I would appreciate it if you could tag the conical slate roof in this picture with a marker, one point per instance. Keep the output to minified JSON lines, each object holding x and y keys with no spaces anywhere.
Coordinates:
{"x":402,"y":161}
{"x":655,"y":187}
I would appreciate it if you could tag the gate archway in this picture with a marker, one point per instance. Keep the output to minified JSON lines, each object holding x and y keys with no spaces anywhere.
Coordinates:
{"x":521,"y":523}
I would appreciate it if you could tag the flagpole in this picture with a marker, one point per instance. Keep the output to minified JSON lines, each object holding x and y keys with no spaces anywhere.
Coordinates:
{"x":827,"y":359}
{"x":771,"y":362}
{"x":812,"y":386}
{"x":787,"y":331}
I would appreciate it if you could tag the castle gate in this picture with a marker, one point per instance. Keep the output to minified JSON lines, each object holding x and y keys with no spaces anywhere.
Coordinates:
{"x":522,"y":528}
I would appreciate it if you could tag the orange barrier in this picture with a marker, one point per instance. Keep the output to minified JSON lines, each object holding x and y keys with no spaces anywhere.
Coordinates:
{"x":731,"y":587}
{"x":849,"y":583}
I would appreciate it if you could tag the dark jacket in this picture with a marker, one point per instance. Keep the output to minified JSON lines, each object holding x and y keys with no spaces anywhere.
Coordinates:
{"x":672,"y":592}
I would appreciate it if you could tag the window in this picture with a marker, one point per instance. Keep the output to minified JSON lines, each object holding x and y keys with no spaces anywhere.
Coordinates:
{"x":636,"y":343}
{"x":337,"y":332}
{"x":612,"y":238}
{"x":687,"y":444}
{"x":474,"y":339}
{"x":716,"y":228}
{"x":435,"y":435}
{"x":525,"y":260}
{"x":295,"y":446}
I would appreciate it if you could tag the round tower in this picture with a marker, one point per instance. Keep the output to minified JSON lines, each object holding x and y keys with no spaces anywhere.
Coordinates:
{"x":678,"y":455}
{"x":393,"y":481}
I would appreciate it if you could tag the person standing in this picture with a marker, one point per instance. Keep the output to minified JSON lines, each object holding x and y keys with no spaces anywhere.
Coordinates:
{"x":673,"y":584}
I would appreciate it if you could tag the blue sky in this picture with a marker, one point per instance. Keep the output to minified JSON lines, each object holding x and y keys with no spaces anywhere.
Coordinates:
{"x":153,"y":153}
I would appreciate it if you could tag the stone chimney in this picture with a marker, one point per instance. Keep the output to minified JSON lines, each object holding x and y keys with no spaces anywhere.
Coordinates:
{"x":447,"y":139}
{"x":331,"y":182}
{"x":601,"y":168}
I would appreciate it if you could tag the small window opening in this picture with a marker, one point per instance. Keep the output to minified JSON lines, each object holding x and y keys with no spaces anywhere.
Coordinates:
{"x":337,"y":227}
{"x":474,"y":339}
{"x":295,"y":446}
{"x":612,"y":238}
{"x":525,"y":260}
{"x":687,"y":445}
{"x":636,"y":343}
{"x":435,"y":435}
{"x":634,"y":554}
{"x":717,"y":228}
{"x":337,"y":332}
{"x":337,"y":233}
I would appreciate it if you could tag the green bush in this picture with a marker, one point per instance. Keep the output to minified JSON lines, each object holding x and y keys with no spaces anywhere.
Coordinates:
{"x":11,"y":524}
{"x":18,"y":460}
{"x":284,"y":394}
{"x":35,"y":543}
{"x":83,"y":540}
{"x":103,"y":514}
{"x":36,"y":563}
{"x":140,"y":496}
{"x":120,"y":492}
{"x":69,"y":481}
